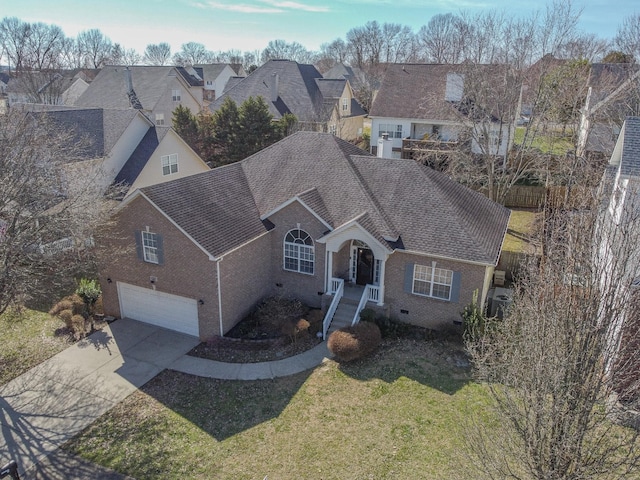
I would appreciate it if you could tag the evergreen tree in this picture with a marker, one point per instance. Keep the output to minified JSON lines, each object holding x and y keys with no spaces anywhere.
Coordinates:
{"x":256,"y":127}
{"x":186,"y":125}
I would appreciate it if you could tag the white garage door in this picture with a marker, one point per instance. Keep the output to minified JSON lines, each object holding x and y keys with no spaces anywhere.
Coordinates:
{"x":159,"y":308}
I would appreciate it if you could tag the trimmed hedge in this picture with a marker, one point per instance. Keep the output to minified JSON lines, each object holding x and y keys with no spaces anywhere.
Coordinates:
{"x":355,"y":342}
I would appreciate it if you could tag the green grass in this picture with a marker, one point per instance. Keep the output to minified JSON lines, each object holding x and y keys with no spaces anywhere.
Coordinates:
{"x":396,"y":415}
{"x":549,"y":142}
{"x":28,"y":338}
{"x":522,"y":226}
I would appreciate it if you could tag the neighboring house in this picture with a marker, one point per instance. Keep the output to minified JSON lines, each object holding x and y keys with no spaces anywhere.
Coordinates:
{"x":301,"y":218}
{"x":424,"y":108}
{"x":532,"y":81}
{"x":122,"y":147}
{"x":156,"y":90}
{"x":79,"y":84}
{"x":4,"y":81}
{"x":54,"y":87}
{"x":619,"y":249}
{"x":215,"y":77}
{"x":319,"y":104}
{"x":365,"y":86}
{"x":613,"y":95}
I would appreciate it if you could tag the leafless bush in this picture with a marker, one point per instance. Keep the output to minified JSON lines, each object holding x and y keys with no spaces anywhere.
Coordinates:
{"x":351,"y":343}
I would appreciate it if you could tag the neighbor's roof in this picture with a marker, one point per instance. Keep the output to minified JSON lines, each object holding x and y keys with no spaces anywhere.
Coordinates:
{"x":97,"y":130}
{"x":629,"y":142}
{"x":417,"y":90}
{"x":299,"y":90}
{"x":109,"y":88}
{"x":403,"y":204}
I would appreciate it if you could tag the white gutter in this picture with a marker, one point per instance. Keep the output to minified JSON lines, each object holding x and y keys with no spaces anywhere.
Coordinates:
{"x":219,"y":296}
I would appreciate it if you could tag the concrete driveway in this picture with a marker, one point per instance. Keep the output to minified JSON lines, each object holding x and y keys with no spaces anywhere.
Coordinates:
{"x":48,"y":405}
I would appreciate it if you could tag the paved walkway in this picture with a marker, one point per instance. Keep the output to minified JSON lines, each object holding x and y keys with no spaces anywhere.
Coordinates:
{"x":51,"y":403}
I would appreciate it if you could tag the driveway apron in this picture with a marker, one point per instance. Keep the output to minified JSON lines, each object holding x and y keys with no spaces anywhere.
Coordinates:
{"x":49,"y":404}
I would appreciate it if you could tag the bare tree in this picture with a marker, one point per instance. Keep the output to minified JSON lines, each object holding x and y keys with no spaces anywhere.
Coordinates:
{"x":628,"y":36}
{"x":282,"y":50}
{"x":95,"y":48}
{"x":45,"y":208}
{"x":13,"y":35}
{"x":441,"y":38}
{"x":556,"y":363}
{"x":157,"y":54}
{"x":192,"y":53}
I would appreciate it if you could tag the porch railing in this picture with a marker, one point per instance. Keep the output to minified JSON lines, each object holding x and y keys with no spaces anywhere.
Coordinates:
{"x":366,"y":296}
{"x":337,"y":290}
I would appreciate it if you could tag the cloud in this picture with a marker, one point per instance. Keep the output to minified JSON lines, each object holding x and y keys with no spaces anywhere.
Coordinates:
{"x":295,"y":6}
{"x":241,"y":8}
{"x":262,"y":6}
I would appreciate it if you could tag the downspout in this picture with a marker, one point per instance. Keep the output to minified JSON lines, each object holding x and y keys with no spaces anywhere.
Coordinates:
{"x":219,"y":296}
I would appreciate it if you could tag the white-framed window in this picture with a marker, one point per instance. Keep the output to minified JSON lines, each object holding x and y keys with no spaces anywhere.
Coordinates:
{"x":209,"y":83}
{"x":394,"y":131}
{"x":175,"y":95}
{"x":169,"y":164}
{"x":150,"y":247}
{"x":345,"y":104}
{"x":332,"y":129}
{"x":430,"y":281}
{"x":159,"y":118}
{"x":299,"y":252}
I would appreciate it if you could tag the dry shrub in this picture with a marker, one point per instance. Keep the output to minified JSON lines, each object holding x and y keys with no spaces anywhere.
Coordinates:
{"x":61,"y":306}
{"x":77,"y":325}
{"x":98,"y":308}
{"x":315,"y":317}
{"x":296,"y":329}
{"x":66,"y":316}
{"x":355,"y":342}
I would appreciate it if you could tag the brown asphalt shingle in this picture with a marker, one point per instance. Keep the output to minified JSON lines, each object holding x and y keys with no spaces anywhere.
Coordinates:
{"x":399,"y":200}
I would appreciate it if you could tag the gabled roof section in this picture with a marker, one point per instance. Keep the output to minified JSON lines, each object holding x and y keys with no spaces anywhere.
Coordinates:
{"x":141,"y":155}
{"x":215,"y":208}
{"x":418,"y":91}
{"x":297,"y":90}
{"x":191,"y":80}
{"x":96,"y":129}
{"x":109,"y":88}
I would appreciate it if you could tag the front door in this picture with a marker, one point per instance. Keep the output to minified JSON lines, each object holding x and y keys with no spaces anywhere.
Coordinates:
{"x":364,"y":272}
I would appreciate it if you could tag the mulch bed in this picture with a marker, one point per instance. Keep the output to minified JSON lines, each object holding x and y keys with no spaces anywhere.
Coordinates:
{"x":235,"y":350}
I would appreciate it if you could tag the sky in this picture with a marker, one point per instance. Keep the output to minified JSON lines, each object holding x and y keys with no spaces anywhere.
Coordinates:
{"x":248,"y":25}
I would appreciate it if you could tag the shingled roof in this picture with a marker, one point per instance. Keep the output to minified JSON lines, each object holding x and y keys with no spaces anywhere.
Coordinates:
{"x":141,"y":155}
{"x":109,"y":88}
{"x":627,"y":151}
{"x":403,"y":204}
{"x":418,"y":90}
{"x":298,"y":90}
{"x":97,"y":130}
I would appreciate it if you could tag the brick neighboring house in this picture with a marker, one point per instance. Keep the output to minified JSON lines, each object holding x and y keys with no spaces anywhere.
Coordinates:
{"x":427,"y":108}
{"x":156,"y":90}
{"x":319,"y":104}
{"x":297,"y":219}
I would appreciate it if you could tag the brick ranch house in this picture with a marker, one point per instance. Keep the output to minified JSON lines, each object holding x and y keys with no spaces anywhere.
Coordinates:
{"x":301,"y":218}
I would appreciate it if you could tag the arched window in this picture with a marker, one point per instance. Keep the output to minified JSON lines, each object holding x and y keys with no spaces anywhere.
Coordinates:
{"x":299,"y":255}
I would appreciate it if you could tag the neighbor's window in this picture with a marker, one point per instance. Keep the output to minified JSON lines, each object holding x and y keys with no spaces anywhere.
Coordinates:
{"x":159,"y":118}
{"x":345,"y":104}
{"x":169,"y":164}
{"x":332,"y":129}
{"x":150,"y":247}
{"x":175,"y":95}
{"x":394,"y":131}
{"x":432,"y":281}
{"x":299,"y":254}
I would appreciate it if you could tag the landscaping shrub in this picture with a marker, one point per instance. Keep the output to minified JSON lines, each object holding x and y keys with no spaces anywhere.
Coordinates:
{"x":296,"y":329}
{"x":277,"y":312}
{"x":89,"y":291}
{"x":68,"y":310}
{"x":315,"y":317}
{"x":354,"y":342}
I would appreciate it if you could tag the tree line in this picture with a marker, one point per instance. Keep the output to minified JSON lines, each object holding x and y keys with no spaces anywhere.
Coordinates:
{"x":488,"y":36}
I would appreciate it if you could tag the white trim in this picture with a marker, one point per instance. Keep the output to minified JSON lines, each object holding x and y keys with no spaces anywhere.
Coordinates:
{"x":289,"y":202}
{"x":442,"y":257}
{"x":365,"y":236}
{"x":219,"y":296}
{"x":300,"y":247}
{"x":432,"y":282}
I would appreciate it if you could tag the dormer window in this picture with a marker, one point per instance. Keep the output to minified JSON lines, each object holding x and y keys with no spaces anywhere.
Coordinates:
{"x":345,"y":104}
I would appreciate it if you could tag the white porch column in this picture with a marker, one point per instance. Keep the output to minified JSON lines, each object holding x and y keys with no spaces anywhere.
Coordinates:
{"x":329,"y":271}
{"x":381,"y":286}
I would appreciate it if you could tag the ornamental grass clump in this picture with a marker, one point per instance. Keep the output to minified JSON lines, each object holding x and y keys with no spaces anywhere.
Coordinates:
{"x":352,"y":343}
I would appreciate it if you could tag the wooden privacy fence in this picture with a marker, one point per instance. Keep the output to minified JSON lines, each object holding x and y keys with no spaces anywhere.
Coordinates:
{"x":511,"y":262}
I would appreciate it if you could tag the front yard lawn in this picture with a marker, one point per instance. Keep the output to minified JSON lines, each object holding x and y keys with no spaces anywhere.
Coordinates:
{"x":398,"y":414}
{"x":28,"y":338}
